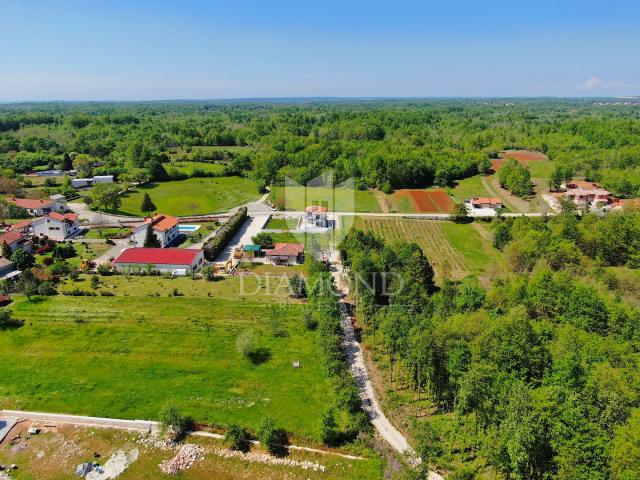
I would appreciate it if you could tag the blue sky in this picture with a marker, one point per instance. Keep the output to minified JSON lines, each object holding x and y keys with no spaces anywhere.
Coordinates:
{"x":143,"y":50}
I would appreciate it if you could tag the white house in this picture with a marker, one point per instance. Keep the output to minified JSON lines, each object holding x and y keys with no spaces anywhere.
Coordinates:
{"x":102,"y":179}
{"x":56,"y":226}
{"x":164,"y":226}
{"x":171,"y":260}
{"x":38,"y":208}
{"x":16,"y":239}
{"x":317,"y":216}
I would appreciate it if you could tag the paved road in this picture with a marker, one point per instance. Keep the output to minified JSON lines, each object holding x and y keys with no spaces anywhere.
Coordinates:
{"x":355,"y":357}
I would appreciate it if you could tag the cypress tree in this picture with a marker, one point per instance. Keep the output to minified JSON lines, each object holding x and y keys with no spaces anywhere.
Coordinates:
{"x":151,"y":239}
{"x":147,"y":205}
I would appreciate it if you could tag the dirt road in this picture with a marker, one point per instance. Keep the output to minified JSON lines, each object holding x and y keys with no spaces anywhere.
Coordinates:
{"x":355,"y":357}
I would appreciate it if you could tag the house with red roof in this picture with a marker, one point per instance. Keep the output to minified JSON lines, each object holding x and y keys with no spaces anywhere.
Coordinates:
{"x":172,"y":260}
{"x":57,"y":226}
{"x":316,"y":216}
{"x":285,"y":254}
{"x":39,"y":207}
{"x":16,"y":239}
{"x":486,"y":202}
{"x":164,"y":226}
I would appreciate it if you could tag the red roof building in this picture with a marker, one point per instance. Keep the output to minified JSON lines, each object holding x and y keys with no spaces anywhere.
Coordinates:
{"x":487,"y":202}
{"x":37,"y":207}
{"x":164,"y":226}
{"x":16,"y":239}
{"x":163,"y":259}
{"x":286,"y":254}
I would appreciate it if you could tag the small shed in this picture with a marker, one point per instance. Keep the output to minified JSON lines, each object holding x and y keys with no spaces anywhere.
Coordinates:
{"x":251,"y":250}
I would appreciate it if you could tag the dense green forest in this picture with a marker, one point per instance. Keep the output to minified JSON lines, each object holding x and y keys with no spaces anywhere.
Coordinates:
{"x":383,"y":144}
{"x":535,"y":377}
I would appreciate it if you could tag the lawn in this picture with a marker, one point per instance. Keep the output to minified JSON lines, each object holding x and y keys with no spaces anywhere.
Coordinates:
{"x":339,"y":199}
{"x":188,"y":167}
{"x":279,"y":223}
{"x":307,"y":239}
{"x":468,"y":188}
{"x":97,"y":233}
{"x":127,"y":357}
{"x":192,"y":196}
{"x":541,"y":168}
{"x":454,"y":250}
{"x":90,"y":251}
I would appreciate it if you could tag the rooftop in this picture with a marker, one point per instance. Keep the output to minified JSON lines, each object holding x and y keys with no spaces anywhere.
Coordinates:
{"x":485,"y":200}
{"x":159,"y":256}
{"x":10,"y":237}
{"x":286,"y":250}
{"x":69,"y":217}
{"x":30,"y":202}
{"x":161,"y":222}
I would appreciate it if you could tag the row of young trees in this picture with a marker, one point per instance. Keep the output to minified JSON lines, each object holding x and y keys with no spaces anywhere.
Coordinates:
{"x":534,"y":378}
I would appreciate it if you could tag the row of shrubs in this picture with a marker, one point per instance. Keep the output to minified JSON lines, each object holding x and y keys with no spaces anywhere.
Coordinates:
{"x":78,"y":292}
{"x":214,"y":246}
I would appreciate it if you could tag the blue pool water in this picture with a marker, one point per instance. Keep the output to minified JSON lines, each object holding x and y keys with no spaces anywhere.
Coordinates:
{"x":188,"y":228}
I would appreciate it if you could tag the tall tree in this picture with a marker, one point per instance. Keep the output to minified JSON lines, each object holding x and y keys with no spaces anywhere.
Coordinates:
{"x":147,"y":205}
{"x":151,"y":239}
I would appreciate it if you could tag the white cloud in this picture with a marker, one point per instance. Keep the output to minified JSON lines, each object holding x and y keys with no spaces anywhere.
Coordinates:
{"x":596,"y":83}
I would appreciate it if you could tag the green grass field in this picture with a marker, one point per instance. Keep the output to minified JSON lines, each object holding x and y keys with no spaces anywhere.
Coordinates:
{"x":468,"y":188}
{"x":339,"y":199}
{"x":128,"y":356}
{"x":541,"y":168}
{"x":192,"y":196}
{"x":188,"y":167}
{"x":454,"y":250}
{"x":96,"y":233}
{"x":276,"y":223}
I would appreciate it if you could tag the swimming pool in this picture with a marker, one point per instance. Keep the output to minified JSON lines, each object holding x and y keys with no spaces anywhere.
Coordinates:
{"x":188,"y":228}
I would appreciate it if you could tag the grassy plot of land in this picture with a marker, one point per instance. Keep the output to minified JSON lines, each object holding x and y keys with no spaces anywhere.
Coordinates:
{"x":454,"y":250}
{"x":188,"y":167}
{"x":280,"y":223}
{"x":339,"y":199}
{"x":90,"y":251}
{"x":240,"y":290}
{"x":192,"y":196}
{"x":541,"y":168}
{"x":468,"y":188}
{"x":55,"y":453}
{"x":97,"y":233}
{"x":127,"y":357}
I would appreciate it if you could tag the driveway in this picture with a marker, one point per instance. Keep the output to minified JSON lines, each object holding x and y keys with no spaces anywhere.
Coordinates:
{"x":249,"y":229}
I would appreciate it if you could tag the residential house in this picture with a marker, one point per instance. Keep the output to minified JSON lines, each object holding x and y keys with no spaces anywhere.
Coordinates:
{"x":486,"y":202}
{"x":594,"y":196}
{"x":164,"y":226}
{"x":8,"y":269}
{"x":38,"y":208}
{"x":171,"y":260}
{"x":56,"y":226}
{"x":16,"y":239}
{"x":316,"y":216}
{"x":286,"y":254}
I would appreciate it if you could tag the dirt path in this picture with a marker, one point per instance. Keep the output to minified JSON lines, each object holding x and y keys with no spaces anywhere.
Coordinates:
{"x":515,"y":204}
{"x":381,"y":198}
{"x":355,"y":357}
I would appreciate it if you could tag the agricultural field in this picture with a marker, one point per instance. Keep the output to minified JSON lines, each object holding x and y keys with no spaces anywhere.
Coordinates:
{"x":55,"y":453}
{"x":127,"y":356}
{"x":420,"y":201}
{"x":339,"y":199}
{"x":454,"y":250}
{"x":192,"y":196}
{"x":468,"y":188}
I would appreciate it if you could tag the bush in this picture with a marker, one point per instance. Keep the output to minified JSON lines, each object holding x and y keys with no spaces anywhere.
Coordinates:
{"x":78,"y":292}
{"x":47,"y":261}
{"x":64,"y":251}
{"x":175,"y":424}
{"x":275,"y":440}
{"x":309,"y":320}
{"x":237,"y":438}
{"x":47,"y":289}
{"x":214,"y":246}
{"x":61,"y":268}
{"x":103,"y":269}
{"x":106,"y":293}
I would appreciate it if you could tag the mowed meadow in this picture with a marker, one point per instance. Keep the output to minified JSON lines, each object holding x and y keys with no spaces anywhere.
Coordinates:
{"x":130,"y":355}
{"x":192,"y":196}
{"x":454,"y":250}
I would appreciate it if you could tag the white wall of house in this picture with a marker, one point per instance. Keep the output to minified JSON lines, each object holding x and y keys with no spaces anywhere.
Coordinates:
{"x":54,"y":229}
{"x":166,"y":237}
{"x":198,"y":262}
